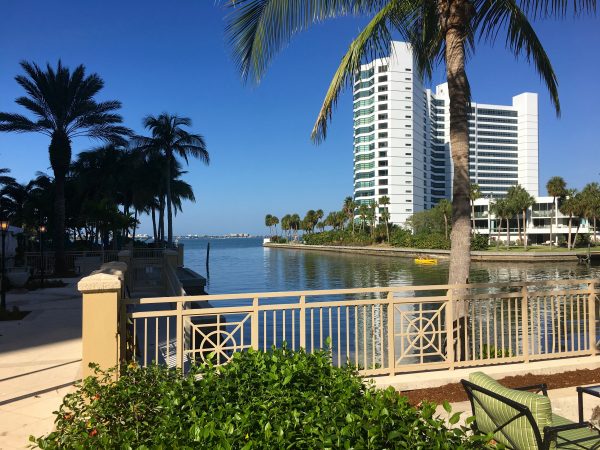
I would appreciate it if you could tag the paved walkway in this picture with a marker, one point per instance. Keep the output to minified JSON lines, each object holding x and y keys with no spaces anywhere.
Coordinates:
{"x":40,"y":359}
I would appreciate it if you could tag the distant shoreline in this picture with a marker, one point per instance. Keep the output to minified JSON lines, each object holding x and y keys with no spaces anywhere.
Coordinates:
{"x":484,"y":256}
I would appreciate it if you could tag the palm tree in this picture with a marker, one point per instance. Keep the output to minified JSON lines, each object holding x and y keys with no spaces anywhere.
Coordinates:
{"x":569,"y":207}
{"x":295,"y":225}
{"x":437,"y":30}
{"x":269,"y":223}
{"x":363,"y":212}
{"x":446,"y":207}
{"x":349,"y":208}
{"x":170,"y":139}
{"x":556,"y":188}
{"x":591,"y":205}
{"x":286,"y":224}
{"x":474,"y":194}
{"x":64,"y":108}
{"x":384,"y":201}
{"x":275,"y":221}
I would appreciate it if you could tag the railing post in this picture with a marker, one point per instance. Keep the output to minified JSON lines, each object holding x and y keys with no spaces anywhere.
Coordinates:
{"x":391,"y":334}
{"x":102,"y":335}
{"x":592,"y":316}
{"x":450,"y":329}
{"x":302,"y":321}
{"x":179,"y":341}
{"x":525,"y":323}
{"x":254,"y":324}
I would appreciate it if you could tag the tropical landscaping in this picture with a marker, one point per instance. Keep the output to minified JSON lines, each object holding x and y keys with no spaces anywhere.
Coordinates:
{"x":360,"y":225}
{"x":95,"y":200}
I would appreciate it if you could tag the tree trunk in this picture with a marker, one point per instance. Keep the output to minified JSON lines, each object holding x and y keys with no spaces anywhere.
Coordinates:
{"x":594,"y":230}
{"x":60,"y":160}
{"x":507,"y":233}
{"x":553,"y":208}
{"x":169,"y":206}
{"x":519,"y":228}
{"x":135,"y":215}
{"x":473,"y":214}
{"x":154,"y":231}
{"x":576,"y":233}
{"x":525,"y":229}
{"x":161,"y":219}
{"x":570,"y":224}
{"x":456,"y":16}
{"x":498,"y":229}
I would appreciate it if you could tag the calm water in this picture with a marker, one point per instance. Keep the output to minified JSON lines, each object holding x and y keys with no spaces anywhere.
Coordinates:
{"x":243,"y":265}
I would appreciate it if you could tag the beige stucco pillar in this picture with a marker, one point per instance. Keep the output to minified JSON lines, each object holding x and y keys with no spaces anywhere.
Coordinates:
{"x":101,"y":296}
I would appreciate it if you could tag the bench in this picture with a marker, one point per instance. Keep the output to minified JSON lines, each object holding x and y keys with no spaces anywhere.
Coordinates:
{"x":522,"y":418}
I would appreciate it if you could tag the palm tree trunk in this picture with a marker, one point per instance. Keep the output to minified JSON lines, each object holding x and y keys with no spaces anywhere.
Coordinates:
{"x":570,"y":224}
{"x":135,"y":215}
{"x":553,"y":208}
{"x":576,"y":233}
{"x":498,"y":228}
{"x":519,"y":228}
{"x":161,"y":219}
{"x":154,"y":224}
{"x":60,"y":263}
{"x":594,"y":230}
{"x":525,"y":229}
{"x":169,"y":206}
{"x":458,"y":90}
{"x":473,"y":214}
{"x":507,"y":233}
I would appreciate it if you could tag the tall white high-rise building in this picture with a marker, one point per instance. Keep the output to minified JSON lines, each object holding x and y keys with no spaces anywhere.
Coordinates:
{"x":402,"y":139}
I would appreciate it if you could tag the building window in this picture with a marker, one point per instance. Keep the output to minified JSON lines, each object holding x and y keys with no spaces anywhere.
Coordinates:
{"x":382,"y":97}
{"x":382,"y":154}
{"x":383,"y":163}
{"x":383,"y":173}
{"x":382,"y":79}
{"x":383,"y":126}
{"x":382,"y":107}
{"x":382,"y":69}
{"x":408,"y":163}
{"x":409,"y":191}
{"x":382,"y":116}
{"x":383,"y":191}
{"x":382,"y":135}
{"x":382,"y":88}
{"x":383,"y":182}
{"x":408,"y":200}
{"x":408,"y":154}
{"x":383,"y":144}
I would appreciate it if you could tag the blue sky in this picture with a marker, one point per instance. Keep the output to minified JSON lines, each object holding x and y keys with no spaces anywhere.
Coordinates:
{"x":171,"y":56}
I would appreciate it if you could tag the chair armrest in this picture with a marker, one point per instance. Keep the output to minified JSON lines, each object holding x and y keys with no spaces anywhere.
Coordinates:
{"x":551,"y":432}
{"x":542,"y":387}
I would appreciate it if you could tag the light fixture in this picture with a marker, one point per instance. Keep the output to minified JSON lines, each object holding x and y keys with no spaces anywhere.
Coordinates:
{"x":4,"y":225}
{"x":42,"y":228}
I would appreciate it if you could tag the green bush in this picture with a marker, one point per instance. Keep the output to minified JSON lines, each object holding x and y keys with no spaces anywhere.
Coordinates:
{"x":278,"y":239}
{"x":278,"y":399}
{"x":404,"y":238}
{"x":479,"y":242}
{"x":338,"y":237}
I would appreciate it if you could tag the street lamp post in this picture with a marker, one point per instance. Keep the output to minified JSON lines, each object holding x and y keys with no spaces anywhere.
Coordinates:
{"x":4,"y":229}
{"x":42,"y":230}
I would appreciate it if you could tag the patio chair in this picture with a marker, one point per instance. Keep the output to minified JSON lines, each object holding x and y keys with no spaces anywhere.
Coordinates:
{"x":522,"y":419}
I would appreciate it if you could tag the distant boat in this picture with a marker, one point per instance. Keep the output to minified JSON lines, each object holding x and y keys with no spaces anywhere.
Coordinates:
{"x":426,"y":261}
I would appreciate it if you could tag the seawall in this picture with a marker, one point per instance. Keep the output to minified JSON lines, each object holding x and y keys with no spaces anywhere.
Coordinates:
{"x":487,"y":256}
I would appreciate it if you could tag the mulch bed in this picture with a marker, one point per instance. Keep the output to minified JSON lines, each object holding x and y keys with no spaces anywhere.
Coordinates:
{"x":454,"y":392}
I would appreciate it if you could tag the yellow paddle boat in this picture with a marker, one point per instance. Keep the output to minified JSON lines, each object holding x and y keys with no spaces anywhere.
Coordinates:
{"x":426,"y":261}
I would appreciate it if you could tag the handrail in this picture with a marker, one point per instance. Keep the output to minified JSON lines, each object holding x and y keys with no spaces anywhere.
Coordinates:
{"x":393,"y":289}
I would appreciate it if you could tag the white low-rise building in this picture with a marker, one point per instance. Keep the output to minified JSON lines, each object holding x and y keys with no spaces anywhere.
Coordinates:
{"x":539,"y":218}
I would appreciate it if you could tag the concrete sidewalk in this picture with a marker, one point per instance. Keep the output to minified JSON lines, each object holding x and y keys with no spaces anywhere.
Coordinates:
{"x":40,"y":359}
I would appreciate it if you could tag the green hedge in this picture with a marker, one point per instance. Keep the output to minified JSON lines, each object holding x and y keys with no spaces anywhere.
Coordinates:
{"x":404,"y":238}
{"x":274,"y":400}
{"x":338,"y":237}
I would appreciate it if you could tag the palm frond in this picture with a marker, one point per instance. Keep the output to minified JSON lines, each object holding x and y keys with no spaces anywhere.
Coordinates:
{"x":521,"y":39}
{"x":373,"y":41}
{"x":258,"y":29}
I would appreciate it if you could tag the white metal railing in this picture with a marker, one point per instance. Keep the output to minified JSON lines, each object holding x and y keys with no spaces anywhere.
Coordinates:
{"x":385,"y":330}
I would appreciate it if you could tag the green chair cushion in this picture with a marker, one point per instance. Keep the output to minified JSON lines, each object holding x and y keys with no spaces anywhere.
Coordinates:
{"x":519,"y":431}
{"x":581,"y":438}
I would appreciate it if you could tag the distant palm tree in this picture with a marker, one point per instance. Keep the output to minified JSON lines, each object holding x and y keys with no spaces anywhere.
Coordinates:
{"x":437,"y":30}
{"x":349,"y":209}
{"x":556,"y":188}
{"x":446,"y":208}
{"x":590,"y":196}
{"x":269,"y":223}
{"x":384,"y":201}
{"x":275,"y":222}
{"x":570,"y":207}
{"x":474,"y":194}
{"x":64,"y":108}
{"x":170,"y":139}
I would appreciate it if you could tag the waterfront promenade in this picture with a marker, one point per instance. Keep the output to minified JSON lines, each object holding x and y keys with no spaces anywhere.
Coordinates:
{"x":40,"y":360}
